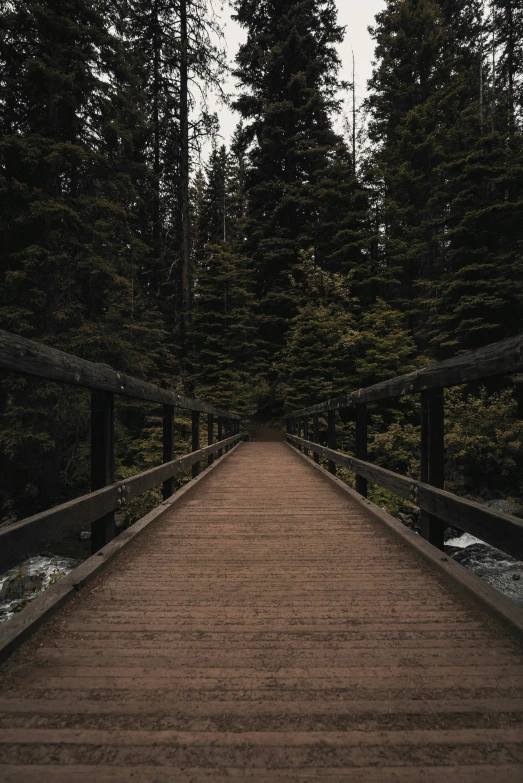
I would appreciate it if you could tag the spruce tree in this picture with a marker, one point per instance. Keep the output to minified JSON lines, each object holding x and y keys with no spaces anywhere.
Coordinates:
{"x":224,"y":332}
{"x":288,"y":73}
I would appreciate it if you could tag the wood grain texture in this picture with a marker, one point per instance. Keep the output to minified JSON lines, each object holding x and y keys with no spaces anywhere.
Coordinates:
{"x":503,"y":531}
{"x":269,"y":627}
{"x":18,"y":541}
{"x":503,"y":358}
{"x":20,"y":355}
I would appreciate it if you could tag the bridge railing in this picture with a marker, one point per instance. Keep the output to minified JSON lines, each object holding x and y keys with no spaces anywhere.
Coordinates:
{"x":98,"y":508}
{"x":438,"y":508}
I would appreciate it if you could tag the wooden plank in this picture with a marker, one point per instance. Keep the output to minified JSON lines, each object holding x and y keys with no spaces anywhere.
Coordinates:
{"x":361,"y":445}
{"x":168,"y":447}
{"x":17,"y":354}
{"x":466,"y":581}
{"x":501,"y":358}
{"x":24,"y":624}
{"x":18,"y":541}
{"x":103,"y":529}
{"x":331,"y":438}
{"x":316,"y":433}
{"x":432,"y":459}
{"x":220,"y":434}
{"x":195,"y":441}
{"x":503,"y":531}
{"x":306,"y":433}
{"x":210,"y":437}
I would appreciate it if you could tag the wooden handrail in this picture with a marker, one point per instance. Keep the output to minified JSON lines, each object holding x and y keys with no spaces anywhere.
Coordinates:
{"x":503,"y":531}
{"x":18,"y":540}
{"x":439,"y":508}
{"x":20,"y":355}
{"x":500,"y":358}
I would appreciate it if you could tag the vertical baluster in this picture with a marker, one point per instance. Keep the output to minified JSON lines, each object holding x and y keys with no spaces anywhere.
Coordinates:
{"x":102,"y":462}
{"x":316,"y":433}
{"x":432,"y":458}
{"x":168,"y":447}
{"x":195,"y":440}
{"x":306,"y":433}
{"x":210,"y":436}
{"x":361,"y":445}
{"x":331,"y":438}
{"x":220,"y":434}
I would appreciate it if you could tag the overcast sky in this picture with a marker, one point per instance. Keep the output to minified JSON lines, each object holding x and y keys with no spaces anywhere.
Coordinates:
{"x":355,"y":15}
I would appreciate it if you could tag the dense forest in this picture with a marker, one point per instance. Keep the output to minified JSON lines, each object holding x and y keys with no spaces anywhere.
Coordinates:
{"x":298,"y":263}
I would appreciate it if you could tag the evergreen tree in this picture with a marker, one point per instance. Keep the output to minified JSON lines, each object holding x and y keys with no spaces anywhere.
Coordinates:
{"x":224,"y":331}
{"x":288,"y":71}
{"x":69,"y":257}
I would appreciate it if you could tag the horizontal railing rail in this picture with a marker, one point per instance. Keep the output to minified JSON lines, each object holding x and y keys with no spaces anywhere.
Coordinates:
{"x":438,"y":508}
{"x":20,"y":355}
{"x":503,"y":531}
{"x":501,"y":358}
{"x":26,"y":357}
{"x":17,"y":541}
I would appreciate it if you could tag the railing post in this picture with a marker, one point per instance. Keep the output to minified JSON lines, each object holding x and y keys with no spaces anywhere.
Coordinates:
{"x":298,"y":433}
{"x":316,"y":433}
{"x":331,"y":438}
{"x":102,"y":461}
{"x":433,"y":458}
{"x":168,"y":447}
{"x":220,"y":434}
{"x":361,"y":445}
{"x":195,"y":440}
{"x":210,"y":436}
{"x":306,"y":433}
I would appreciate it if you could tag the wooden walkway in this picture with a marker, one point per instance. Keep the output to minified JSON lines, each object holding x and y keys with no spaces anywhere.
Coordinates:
{"x":268,"y":628}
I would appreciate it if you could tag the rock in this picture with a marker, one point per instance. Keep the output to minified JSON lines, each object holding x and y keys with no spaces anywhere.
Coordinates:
{"x":85,"y":535}
{"x":482,"y":556}
{"x":21,"y":585}
{"x":507,"y":507}
{"x":452,"y":532}
{"x":516,"y":577}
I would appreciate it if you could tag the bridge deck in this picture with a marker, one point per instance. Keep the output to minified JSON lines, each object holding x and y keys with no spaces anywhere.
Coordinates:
{"x":267,"y":628}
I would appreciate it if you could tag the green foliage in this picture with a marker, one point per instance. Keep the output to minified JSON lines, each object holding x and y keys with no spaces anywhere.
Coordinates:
{"x":224,"y":331}
{"x":484,"y":439}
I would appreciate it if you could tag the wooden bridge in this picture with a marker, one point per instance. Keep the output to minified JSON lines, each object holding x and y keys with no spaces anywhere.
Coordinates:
{"x":266,"y":622}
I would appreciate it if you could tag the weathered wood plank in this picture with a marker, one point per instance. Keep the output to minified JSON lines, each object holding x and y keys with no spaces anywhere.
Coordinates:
{"x":24,"y":624}
{"x":17,"y":354}
{"x":168,"y":447}
{"x":501,"y":358}
{"x":503,"y":531}
{"x":433,"y":458}
{"x":17,"y":541}
{"x":361,"y":445}
{"x":103,"y":530}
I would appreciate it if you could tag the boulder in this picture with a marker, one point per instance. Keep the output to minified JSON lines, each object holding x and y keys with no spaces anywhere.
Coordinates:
{"x":21,"y":585}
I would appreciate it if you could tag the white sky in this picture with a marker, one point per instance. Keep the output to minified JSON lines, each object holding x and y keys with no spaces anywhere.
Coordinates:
{"x":355,"y":15}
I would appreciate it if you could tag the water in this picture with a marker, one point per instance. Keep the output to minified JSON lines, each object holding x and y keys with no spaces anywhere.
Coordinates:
{"x":45,"y":570}
{"x":498,"y":569}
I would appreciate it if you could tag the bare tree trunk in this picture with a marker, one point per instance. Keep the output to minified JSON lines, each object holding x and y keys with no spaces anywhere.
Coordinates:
{"x":184,"y":174}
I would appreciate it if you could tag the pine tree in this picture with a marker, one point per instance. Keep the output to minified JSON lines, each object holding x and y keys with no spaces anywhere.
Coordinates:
{"x":288,"y":70}
{"x":69,"y":255}
{"x":224,"y":332}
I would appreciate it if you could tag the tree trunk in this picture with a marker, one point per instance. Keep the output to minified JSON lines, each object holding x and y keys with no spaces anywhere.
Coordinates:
{"x":184,"y":174}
